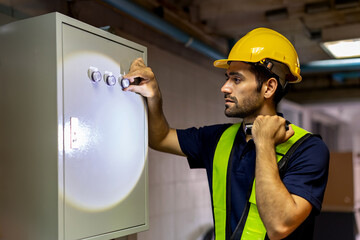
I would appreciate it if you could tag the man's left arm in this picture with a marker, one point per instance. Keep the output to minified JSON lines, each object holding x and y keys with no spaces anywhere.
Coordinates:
{"x":280,"y":211}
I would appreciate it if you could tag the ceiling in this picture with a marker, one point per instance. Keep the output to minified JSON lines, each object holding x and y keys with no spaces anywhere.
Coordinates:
{"x":220,"y":23}
{"x":306,"y":23}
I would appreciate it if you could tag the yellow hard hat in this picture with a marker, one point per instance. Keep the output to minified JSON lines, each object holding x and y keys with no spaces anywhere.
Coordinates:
{"x":261,"y":44}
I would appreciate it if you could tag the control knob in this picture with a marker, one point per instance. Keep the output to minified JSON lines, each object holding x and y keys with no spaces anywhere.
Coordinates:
{"x":109,"y":78}
{"x":94,"y":74}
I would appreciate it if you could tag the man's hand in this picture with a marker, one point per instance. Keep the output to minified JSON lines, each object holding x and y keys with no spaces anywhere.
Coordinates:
{"x":161,"y":136}
{"x":148,"y":86}
{"x":270,"y":130}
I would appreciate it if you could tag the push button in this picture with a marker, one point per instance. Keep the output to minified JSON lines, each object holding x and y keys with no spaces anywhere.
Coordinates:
{"x":94,"y":74}
{"x":124,"y":82}
{"x":109,"y":79}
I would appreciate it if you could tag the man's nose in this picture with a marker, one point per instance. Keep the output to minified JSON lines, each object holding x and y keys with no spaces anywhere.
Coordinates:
{"x":226,"y":88}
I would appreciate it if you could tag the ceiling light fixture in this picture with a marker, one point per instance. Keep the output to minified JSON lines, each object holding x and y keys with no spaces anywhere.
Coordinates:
{"x":343,"y":48}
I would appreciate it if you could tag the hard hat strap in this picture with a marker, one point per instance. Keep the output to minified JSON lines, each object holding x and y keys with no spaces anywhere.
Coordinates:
{"x":277,"y":68}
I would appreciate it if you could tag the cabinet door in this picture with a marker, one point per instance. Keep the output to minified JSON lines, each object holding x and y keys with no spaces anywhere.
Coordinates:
{"x":105,"y":140}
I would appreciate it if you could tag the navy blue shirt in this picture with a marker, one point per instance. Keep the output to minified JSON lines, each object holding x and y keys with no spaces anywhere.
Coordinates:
{"x":306,"y":174}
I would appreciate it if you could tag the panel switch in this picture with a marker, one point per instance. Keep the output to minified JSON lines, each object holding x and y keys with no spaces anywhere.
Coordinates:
{"x":109,"y":78}
{"x":94,"y":74}
{"x":125,"y":82}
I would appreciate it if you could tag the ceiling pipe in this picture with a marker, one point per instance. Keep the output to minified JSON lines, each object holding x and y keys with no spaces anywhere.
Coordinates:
{"x":148,"y":18}
{"x":158,"y":23}
{"x":332,"y":65}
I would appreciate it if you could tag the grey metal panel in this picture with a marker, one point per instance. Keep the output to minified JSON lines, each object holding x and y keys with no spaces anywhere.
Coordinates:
{"x":34,"y":130}
{"x":28,"y":160}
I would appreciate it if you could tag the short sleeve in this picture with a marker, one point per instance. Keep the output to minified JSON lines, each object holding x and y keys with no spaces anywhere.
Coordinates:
{"x":307,"y":171}
{"x":199,"y":144}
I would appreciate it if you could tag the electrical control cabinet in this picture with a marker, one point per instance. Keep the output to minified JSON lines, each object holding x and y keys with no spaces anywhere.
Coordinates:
{"x":73,"y":145}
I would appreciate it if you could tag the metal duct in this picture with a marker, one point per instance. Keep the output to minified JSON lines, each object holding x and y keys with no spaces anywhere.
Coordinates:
{"x":338,"y":65}
{"x":154,"y":21}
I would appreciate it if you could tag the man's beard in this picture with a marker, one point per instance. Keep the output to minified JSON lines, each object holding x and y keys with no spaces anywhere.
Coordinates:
{"x":247,"y":107}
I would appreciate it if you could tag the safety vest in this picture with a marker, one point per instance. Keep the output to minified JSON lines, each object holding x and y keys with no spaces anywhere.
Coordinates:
{"x":250,"y":226}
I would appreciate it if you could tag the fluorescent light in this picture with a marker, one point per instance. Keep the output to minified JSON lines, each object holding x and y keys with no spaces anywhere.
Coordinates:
{"x":343,"y":48}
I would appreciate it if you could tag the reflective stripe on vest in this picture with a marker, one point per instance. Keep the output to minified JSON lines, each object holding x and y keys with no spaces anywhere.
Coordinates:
{"x":220,"y":165}
{"x":254,"y":228}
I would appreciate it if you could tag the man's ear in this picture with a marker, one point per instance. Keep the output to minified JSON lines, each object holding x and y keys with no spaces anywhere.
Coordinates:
{"x":270,"y":87}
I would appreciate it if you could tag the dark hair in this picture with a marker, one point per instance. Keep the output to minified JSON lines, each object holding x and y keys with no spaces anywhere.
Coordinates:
{"x":262,"y":75}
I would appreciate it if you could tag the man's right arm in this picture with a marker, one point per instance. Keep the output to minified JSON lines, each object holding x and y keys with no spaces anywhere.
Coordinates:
{"x":161,"y":136}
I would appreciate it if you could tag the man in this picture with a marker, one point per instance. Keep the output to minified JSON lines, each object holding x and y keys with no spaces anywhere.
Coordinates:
{"x":251,"y":198}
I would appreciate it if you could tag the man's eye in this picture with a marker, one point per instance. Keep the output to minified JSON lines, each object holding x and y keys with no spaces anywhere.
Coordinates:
{"x":233,"y":79}
{"x":237,"y":80}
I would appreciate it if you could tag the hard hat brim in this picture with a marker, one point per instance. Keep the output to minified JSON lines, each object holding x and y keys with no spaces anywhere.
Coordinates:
{"x":221,"y":63}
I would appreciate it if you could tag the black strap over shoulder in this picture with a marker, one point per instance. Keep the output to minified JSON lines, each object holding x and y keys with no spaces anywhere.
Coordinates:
{"x":282,"y":164}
